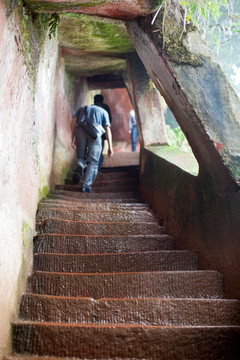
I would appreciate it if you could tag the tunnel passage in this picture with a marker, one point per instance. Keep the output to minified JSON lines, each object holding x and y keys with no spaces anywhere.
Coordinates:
{"x":43,"y":81}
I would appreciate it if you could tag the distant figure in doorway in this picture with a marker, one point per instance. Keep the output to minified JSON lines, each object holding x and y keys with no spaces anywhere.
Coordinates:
{"x":89,"y":148}
{"x":133,"y":129}
{"x":98,"y":100}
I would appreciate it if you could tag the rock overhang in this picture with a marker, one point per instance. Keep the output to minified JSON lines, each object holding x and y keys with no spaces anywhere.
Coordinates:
{"x":93,"y":45}
{"x":92,"y":34}
{"x":115,"y":9}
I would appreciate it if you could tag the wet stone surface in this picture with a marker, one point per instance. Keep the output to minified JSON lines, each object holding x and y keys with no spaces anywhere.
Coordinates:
{"x":60,"y":226}
{"x":108,"y":284}
{"x":90,"y":244}
{"x":97,"y":215}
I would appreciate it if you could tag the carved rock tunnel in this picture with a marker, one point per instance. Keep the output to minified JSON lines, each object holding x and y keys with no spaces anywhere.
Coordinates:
{"x":112,"y":45}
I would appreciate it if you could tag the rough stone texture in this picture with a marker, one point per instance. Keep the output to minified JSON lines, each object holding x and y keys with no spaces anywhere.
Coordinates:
{"x":97,"y":216}
{"x":176,"y":284}
{"x":210,"y":227}
{"x":15,"y":137}
{"x":105,"y":297}
{"x":159,"y":311}
{"x":91,"y":205}
{"x":93,"y":197}
{"x":82,"y":244}
{"x":120,"y":105}
{"x":60,"y":226}
{"x":93,"y":45}
{"x":27,"y":132}
{"x":147,"y":104}
{"x":117,"y":9}
{"x":63,"y":152}
{"x":126,"y":341}
{"x":123,"y":262}
{"x":206,"y":110}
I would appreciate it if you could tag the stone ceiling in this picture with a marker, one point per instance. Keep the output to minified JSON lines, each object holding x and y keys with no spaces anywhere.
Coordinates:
{"x":93,"y":45}
{"x":92,"y":34}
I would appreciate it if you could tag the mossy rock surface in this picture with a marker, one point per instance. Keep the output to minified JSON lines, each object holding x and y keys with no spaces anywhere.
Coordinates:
{"x":174,"y":155}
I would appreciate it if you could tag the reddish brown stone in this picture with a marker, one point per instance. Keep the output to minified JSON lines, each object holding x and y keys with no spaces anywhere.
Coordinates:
{"x":96,"y":215}
{"x":82,"y":244}
{"x":122,"y":9}
{"x":159,"y":311}
{"x":179,"y":284}
{"x":123,"y":262}
{"x":60,"y":226}
{"x":126,"y":341}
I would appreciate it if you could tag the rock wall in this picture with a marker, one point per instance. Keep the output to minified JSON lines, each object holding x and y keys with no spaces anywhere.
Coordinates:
{"x":196,"y":91}
{"x":211,"y":227}
{"x":29,"y":94}
{"x":120,"y":105}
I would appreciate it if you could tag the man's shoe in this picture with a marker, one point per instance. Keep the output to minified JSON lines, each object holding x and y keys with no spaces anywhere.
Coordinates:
{"x":86,"y":189}
{"x":77,"y":176}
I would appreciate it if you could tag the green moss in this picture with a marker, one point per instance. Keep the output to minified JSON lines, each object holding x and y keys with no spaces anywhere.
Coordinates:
{"x":185,"y":161}
{"x":93,"y":34}
{"x":25,"y":231}
{"x":43,"y":190}
{"x":169,"y":34}
{"x":33,"y":32}
{"x":114,"y":37}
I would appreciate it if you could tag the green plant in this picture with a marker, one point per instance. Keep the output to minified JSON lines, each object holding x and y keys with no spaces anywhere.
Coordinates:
{"x":53,"y":23}
{"x":212,"y":17}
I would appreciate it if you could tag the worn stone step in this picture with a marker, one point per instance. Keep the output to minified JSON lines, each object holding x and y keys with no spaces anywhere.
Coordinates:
{"x":121,"y":174}
{"x":177,"y":284}
{"x":77,"y":244}
{"x":114,"y":177}
{"x":107,"y":189}
{"x":102,"y":195}
{"x":96,"y":215}
{"x":158,"y":311}
{"x":123,"y":262}
{"x":59,"y":226}
{"x":36,"y":357}
{"x":91,"y":197}
{"x":103,"y":180}
{"x":93,"y":205}
{"x":118,"y":182}
{"x":104,"y":186}
{"x":88,"y":341}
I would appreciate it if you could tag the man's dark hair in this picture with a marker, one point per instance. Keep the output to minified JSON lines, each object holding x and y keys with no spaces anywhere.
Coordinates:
{"x":98,"y":99}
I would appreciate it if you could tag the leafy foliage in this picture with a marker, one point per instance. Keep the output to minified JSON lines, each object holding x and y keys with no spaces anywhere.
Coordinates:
{"x":53,"y":22}
{"x":215,"y":17}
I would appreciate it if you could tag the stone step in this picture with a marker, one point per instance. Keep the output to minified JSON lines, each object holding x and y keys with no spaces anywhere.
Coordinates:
{"x":59,"y":226}
{"x":99,"y":189}
{"x":118,"y":182}
{"x":102,"y":195}
{"x":116,"y":185}
{"x":94,"y":197}
{"x":81,"y":244}
{"x":157,"y":312}
{"x":120,"y":174}
{"x":93,"y":205}
{"x":104,"y":180}
{"x":123,"y":262}
{"x":88,"y":341}
{"x":96,"y":215}
{"x":174,"y":284}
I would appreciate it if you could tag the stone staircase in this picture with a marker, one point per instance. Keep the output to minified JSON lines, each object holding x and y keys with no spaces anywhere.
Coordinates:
{"x":108,"y":284}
